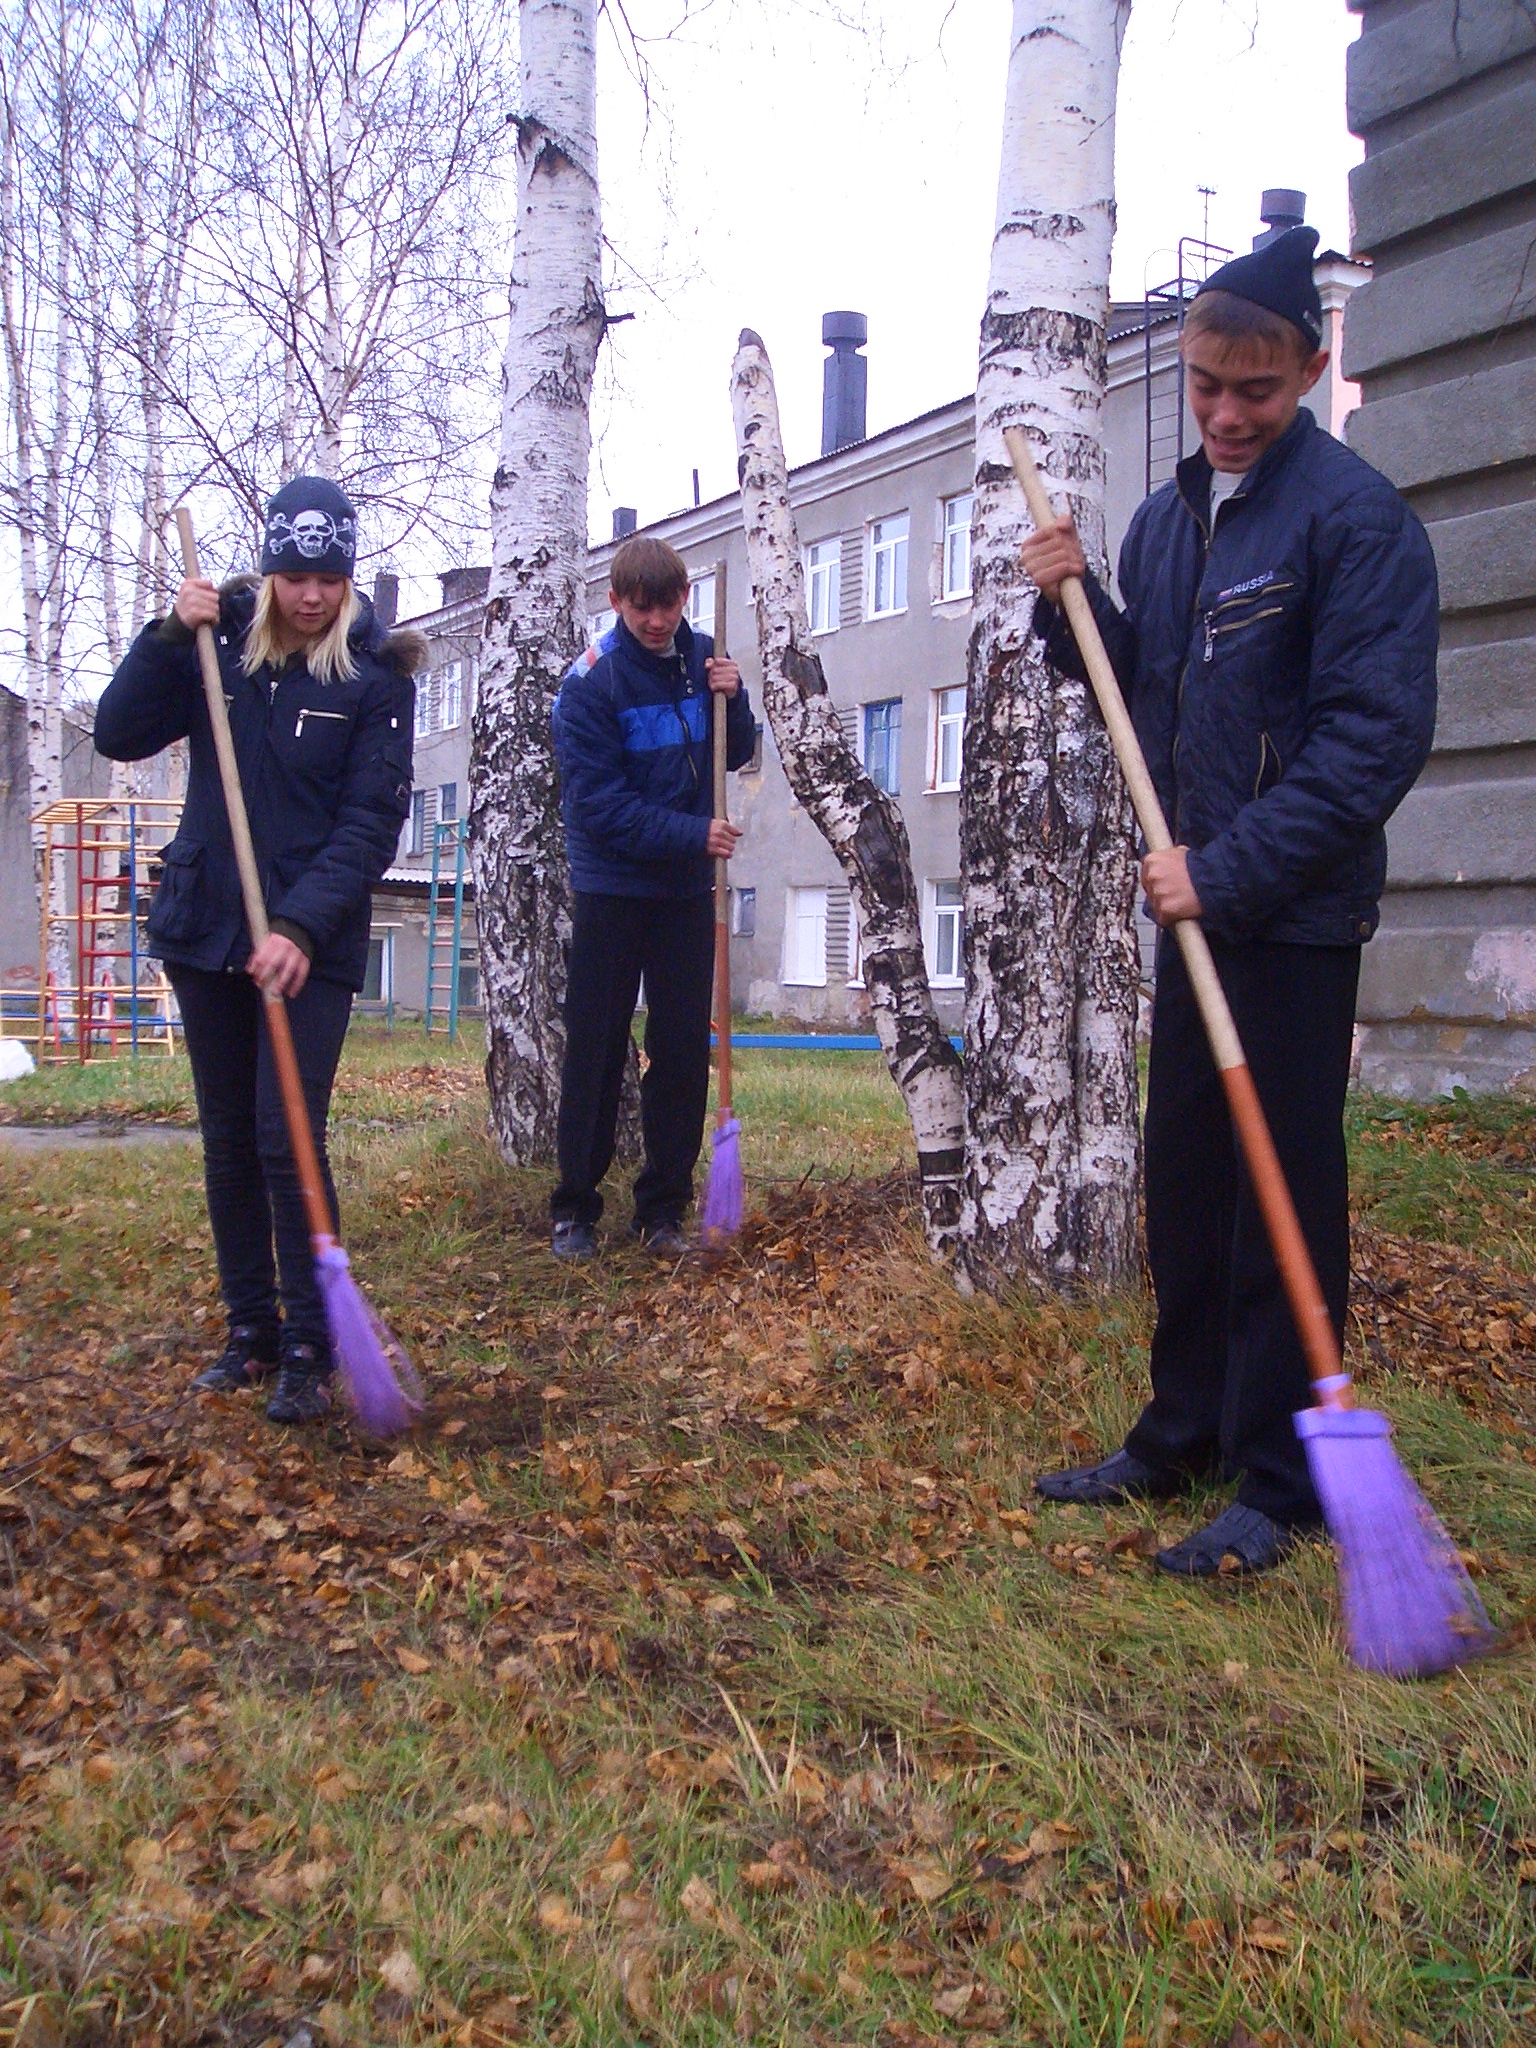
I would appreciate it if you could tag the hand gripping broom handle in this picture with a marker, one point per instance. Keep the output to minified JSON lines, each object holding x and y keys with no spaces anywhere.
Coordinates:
{"x":722,"y":868}
{"x":1313,"y":1324}
{"x":300,"y":1137}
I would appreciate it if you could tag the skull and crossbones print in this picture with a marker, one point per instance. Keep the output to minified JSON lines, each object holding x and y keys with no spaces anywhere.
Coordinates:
{"x":311,"y":533}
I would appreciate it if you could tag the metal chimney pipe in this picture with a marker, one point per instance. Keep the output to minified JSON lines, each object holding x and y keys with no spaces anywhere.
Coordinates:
{"x":625,"y":520}
{"x":844,"y":381}
{"x":1280,"y":208}
{"x":386,"y":597}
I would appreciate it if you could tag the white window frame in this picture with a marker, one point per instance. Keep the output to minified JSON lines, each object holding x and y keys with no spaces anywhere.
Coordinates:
{"x":956,"y":542}
{"x":450,"y":695}
{"x":747,"y":889}
{"x":881,"y":704}
{"x":939,"y":915}
{"x":701,"y":602}
{"x":426,"y":698}
{"x":798,"y":971}
{"x":890,"y":542}
{"x":386,"y":940}
{"x":444,"y":818}
{"x":947,"y":719}
{"x":416,"y":824}
{"x":599,"y":623}
{"x":824,"y":584}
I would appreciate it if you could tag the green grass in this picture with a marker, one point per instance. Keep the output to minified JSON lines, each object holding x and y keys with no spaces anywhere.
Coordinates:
{"x":726,"y":1576}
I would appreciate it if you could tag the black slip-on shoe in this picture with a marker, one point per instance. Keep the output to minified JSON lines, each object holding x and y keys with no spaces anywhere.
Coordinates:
{"x":1120,"y":1478}
{"x":570,"y":1240}
{"x":661,"y":1240}
{"x":249,"y":1356}
{"x":303,"y":1390}
{"x":1240,"y":1541}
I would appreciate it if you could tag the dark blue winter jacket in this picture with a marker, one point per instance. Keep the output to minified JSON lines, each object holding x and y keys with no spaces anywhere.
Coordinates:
{"x":1281,"y":676}
{"x":326,"y":770}
{"x":632,"y":737}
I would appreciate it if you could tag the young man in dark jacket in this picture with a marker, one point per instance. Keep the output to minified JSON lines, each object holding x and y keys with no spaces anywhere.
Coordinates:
{"x":632,"y":727}
{"x":1277,"y":649}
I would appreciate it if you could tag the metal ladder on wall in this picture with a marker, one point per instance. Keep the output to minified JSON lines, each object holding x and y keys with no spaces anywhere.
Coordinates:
{"x":445,"y":924}
{"x":1163,"y":388}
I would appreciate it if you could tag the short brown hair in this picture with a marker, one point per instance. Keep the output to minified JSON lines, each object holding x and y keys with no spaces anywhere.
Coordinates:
{"x":1233,"y":320}
{"x":647,"y":572}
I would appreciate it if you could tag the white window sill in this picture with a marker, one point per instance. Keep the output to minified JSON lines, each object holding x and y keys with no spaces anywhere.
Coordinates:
{"x":874,"y":618}
{"x":821,"y":632}
{"x":946,"y":981}
{"x":942,"y":789}
{"x":788,"y":983}
{"x":956,"y":604}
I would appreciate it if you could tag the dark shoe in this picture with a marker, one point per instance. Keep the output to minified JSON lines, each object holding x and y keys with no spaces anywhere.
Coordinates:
{"x":303,"y":1390}
{"x":249,"y":1356}
{"x":661,"y":1240}
{"x":1122,"y":1477}
{"x":573,"y":1240}
{"x":1245,"y":1536}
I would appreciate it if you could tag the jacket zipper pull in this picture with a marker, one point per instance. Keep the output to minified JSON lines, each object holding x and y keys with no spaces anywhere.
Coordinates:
{"x":298,"y":728}
{"x":1210,"y":639}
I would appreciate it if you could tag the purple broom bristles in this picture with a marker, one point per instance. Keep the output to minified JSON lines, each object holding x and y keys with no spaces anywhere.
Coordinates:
{"x":724,"y":1194}
{"x":1409,"y":1608}
{"x":379,"y":1380}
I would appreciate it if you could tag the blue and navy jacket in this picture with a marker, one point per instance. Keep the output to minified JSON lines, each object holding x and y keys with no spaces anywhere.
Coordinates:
{"x":326,"y":771}
{"x":1280,"y":672}
{"x":632,"y":737}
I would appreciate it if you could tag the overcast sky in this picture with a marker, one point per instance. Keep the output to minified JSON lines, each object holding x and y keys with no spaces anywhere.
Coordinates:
{"x":791,"y":166}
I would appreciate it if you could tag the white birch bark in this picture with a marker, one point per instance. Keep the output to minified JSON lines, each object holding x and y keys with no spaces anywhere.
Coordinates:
{"x":861,"y":824}
{"x":535,"y":607}
{"x":1046,"y":847}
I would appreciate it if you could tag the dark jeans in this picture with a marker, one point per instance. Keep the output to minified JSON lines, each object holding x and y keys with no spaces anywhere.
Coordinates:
{"x":1227,"y":1367}
{"x":615,"y":940}
{"x":253,"y":1189}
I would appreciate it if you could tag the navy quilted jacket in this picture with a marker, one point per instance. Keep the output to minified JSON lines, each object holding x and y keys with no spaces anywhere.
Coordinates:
{"x":1281,"y":676}
{"x":632,"y":737}
{"x":326,"y":770}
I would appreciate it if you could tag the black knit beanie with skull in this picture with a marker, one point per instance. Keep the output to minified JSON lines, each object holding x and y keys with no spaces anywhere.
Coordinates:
{"x":311,"y":530}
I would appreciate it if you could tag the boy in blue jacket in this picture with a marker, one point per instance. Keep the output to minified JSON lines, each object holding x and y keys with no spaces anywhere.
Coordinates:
{"x":1277,"y":650}
{"x":632,"y":730}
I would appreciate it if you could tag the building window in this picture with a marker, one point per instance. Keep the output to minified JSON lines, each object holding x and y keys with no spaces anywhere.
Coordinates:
{"x":805,"y":937}
{"x":379,"y":974}
{"x":888,"y":566}
{"x":448,"y":801}
{"x":425,"y":686}
{"x":744,"y":913}
{"x":755,"y":765}
{"x":948,"y":737}
{"x":701,"y":604}
{"x":469,"y":981}
{"x":957,"y":545}
{"x":948,"y":934}
{"x":450,"y":695}
{"x":423,"y":817}
{"x":824,"y":584}
{"x":882,"y":745}
{"x":599,"y":623}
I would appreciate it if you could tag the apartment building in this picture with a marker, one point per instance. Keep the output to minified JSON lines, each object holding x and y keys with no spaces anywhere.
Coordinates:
{"x":885,"y":524}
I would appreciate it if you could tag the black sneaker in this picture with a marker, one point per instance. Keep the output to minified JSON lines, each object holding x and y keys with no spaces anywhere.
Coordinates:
{"x":571,"y":1240}
{"x":661,"y":1240}
{"x":1120,"y":1478}
{"x":249,"y":1356}
{"x":303,"y":1390}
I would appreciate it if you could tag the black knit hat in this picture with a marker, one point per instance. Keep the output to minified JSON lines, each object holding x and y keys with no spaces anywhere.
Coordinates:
{"x":1278,"y":276}
{"x":311,"y":530}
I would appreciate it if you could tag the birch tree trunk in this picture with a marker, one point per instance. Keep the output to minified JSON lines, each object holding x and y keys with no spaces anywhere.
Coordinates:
{"x":1045,"y":835}
{"x":861,"y":824}
{"x":535,"y":607}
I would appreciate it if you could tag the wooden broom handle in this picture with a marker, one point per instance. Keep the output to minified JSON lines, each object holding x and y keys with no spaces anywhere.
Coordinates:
{"x":1314,"y":1326}
{"x":300,"y":1137}
{"x":721,"y":712}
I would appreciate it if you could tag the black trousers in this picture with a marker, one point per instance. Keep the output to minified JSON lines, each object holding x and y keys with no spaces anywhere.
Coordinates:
{"x":615,"y":940}
{"x":1227,"y":1368}
{"x":248,"y":1170}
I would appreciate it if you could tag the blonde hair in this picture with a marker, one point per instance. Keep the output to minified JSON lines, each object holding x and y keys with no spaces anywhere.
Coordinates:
{"x":327,"y":658}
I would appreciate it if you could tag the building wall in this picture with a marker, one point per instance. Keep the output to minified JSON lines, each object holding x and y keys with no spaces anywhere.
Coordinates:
{"x":84,"y":773}
{"x":1443,"y":343}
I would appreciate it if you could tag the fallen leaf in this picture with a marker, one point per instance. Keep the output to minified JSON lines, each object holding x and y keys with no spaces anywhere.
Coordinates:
{"x":1054,"y":1838}
{"x":412,"y":1661}
{"x":926,"y":1875}
{"x":1268,"y":1936}
{"x":613,"y":1871}
{"x":637,"y":1975}
{"x":99,"y":1769}
{"x":954,"y":2002}
{"x":33,"y":2022}
{"x":705,"y":1910}
{"x":556,"y":1917}
{"x":1382,"y":1894}
{"x":254,"y":1834}
{"x":400,"y":1973}
{"x":766,"y":1877}
{"x":394,"y":1903}
{"x":316,"y":1970}
{"x":1204,"y":1934}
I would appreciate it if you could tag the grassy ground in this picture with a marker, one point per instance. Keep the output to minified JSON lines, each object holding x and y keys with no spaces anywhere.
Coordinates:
{"x":704,"y":1671}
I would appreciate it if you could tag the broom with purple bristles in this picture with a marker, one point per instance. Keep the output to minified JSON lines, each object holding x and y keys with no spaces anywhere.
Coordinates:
{"x":724,"y":1192}
{"x":1409,"y":1608}
{"x":379,"y":1380}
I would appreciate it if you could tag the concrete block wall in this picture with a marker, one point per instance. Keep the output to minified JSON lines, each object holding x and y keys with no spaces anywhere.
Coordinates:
{"x":1442,"y":341}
